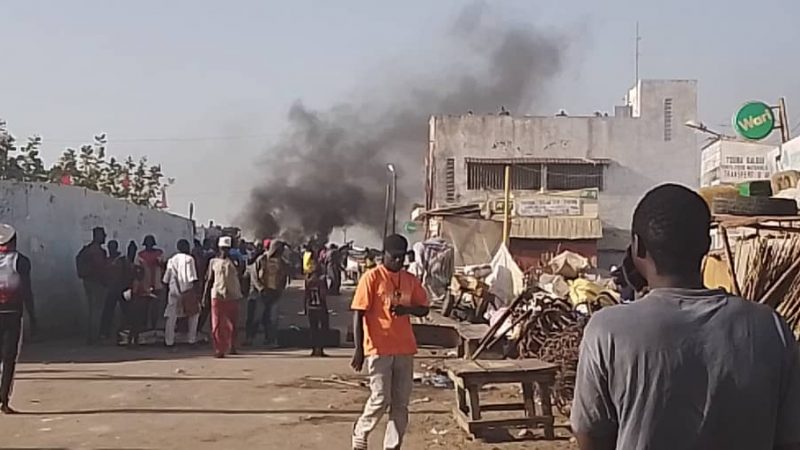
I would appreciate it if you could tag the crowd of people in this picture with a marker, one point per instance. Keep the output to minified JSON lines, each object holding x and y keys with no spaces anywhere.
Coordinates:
{"x":206,"y":279}
{"x":211,"y":279}
{"x":682,"y":366}
{"x":145,"y":285}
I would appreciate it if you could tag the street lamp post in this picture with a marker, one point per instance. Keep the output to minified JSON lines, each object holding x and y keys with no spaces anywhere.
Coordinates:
{"x":393,"y":173}
{"x":386,"y":212}
{"x":701,"y":127}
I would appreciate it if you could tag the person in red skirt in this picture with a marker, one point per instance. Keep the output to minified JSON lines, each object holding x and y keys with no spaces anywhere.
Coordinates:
{"x":223,"y":293}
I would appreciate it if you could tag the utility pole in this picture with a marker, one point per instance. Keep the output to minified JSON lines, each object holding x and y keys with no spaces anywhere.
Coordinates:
{"x":507,"y":206}
{"x":636,"y":69}
{"x":386,"y":213}
{"x":785,"y":131}
{"x":393,"y":173}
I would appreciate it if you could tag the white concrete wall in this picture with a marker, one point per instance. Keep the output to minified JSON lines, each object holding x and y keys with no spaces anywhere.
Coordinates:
{"x":641,"y":158}
{"x":53,"y":222}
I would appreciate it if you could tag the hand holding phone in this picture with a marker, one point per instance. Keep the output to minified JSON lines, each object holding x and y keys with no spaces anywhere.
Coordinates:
{"x":631,"y":275}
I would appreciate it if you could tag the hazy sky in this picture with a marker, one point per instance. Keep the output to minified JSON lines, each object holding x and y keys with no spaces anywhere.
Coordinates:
{"x":204,"y":86}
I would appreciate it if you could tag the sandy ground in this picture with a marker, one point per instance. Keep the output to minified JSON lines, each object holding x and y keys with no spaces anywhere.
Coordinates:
{"x":77,"y":397}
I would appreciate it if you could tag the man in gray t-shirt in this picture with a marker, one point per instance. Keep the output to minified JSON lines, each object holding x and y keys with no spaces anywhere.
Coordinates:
{"x":685,"y":367}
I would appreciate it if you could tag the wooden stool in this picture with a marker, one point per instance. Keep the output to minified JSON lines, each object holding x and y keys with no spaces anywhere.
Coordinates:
{"x":470,"y":335}
{"x":470,"y":376}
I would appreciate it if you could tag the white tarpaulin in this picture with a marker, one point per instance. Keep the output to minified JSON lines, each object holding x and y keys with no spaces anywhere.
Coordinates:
{"x":568,"y":264}
{"x":506,"y":280}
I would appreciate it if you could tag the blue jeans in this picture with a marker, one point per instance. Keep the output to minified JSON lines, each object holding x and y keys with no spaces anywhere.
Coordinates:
{"x":272,"y":302}
{"x":269,"y":315}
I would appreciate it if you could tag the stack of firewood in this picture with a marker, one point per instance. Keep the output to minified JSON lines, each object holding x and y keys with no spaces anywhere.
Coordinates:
{"x":768,"y":271}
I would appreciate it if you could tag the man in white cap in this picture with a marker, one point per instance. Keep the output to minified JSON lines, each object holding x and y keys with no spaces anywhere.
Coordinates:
{"x":16,"y":296}
{"x":223,"y":292}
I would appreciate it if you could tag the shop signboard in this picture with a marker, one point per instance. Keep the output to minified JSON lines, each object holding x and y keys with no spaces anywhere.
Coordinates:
{"x":549,"y":206}
{"x":754,"y":121}
{"x":735,"y":162}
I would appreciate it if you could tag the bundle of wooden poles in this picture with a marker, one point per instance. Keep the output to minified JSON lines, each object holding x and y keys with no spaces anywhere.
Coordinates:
{"x":768,"y":271}
{"x":545,"y":327}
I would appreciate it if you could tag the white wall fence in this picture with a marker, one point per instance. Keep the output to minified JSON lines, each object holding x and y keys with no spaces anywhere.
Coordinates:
{"x":53,"y":222}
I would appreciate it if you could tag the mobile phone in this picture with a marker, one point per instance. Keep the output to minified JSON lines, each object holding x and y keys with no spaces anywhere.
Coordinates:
{"x":631,"y":275}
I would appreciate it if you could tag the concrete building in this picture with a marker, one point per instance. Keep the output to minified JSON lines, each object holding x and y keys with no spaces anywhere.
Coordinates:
{"x":642,"y":144}
{"x":54,"y":222}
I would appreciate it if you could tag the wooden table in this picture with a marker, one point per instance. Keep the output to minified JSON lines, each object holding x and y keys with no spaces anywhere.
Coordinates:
{"x":536,"y":378}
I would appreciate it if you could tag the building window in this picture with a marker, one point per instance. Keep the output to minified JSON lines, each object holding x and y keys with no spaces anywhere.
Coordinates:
{"x":491,"y":176}
{"x":450,"y":177}
{"x":667,"y":119}
{"x":529,"y":176}
{"x":565,"y":177}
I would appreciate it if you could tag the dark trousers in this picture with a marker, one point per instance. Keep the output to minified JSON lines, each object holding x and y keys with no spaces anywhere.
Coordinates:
{"x":267,"y":299}
{"x":136,"y":317}
{"x":10,"y":340}
{"x":251,"y":327}
{"x":113,"y":298}
{"x":95,"y":299}
{"x":156,"y":309}
{"x":205,"y":313}
{"x":335,"y":279}
{"x":318,"y":323}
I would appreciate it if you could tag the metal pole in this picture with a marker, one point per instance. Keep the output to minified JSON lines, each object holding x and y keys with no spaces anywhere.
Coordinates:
{"x":638,"y":38}
{"x":391,"y":197}
{"x":723,"y":231}
{"x":785,"y":132}
{"x":394,"y":202}
{"x":386,"y":214}
{"x":506,"y":205}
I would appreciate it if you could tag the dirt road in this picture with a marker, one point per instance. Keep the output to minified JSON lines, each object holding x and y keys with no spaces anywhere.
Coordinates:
{"x":76,"y":397}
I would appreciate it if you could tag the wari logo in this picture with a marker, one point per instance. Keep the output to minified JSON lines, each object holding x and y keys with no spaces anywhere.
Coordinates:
{"x":754,"y":120}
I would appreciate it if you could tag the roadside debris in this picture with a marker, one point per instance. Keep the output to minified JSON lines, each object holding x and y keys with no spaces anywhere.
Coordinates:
{"x":335,"y":379}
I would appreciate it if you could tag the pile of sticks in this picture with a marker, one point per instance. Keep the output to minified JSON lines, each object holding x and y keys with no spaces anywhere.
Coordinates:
{"x":768,"y":271}
{"x":561,"y":348}
{"x":553,"y":316}
{"x":547,"y":328}
{"x":553,"y":335}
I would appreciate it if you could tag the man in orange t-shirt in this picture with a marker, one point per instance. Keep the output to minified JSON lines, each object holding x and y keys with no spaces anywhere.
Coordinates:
{"x":385,"y":299}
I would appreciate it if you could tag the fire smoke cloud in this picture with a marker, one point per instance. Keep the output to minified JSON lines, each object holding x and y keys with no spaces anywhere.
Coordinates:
{"x":328,"y":169}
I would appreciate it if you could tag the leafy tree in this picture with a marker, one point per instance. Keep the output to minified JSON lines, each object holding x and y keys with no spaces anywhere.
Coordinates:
{"x":65,"y":170}
{"x":6,"y":149}
{"x":20,"y":163}
{"x":154,"y":186}
{"x":137,"y":182}
{"x":29,"y":161}
{"x":112,"y":179}
{"x":139,"y":190}
{"x":91,"y":162}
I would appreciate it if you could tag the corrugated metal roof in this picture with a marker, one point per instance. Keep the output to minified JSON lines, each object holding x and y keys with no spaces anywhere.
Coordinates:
{"x":539,"y":160}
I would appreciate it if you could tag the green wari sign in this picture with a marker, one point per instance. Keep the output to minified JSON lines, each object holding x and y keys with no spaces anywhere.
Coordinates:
{"x":754,"y":120}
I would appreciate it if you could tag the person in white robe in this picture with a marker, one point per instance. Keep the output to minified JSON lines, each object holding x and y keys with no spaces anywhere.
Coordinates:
{"x":181,"y":279}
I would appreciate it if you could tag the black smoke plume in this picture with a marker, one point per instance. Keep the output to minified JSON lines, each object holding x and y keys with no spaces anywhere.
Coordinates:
{"x":329,"y":168}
